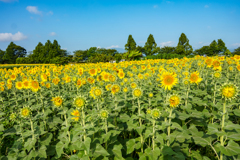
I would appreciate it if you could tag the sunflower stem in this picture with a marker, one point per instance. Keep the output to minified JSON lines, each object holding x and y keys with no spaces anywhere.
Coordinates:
{"x":169,"y":129}
{"x":140,"y":123}
{"x":153,"y":137}
{"x":83,"y":122}
{"x":106,"y":129}
{"x":222,"y":128}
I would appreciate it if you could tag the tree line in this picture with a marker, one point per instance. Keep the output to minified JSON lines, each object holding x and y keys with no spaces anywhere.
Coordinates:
{"x":52,"y":52}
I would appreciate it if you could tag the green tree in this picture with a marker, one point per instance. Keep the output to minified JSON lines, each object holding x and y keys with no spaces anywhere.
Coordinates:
{"x":140,"y":49}
{"x":133,"y":55}
{"x":183,"y":47}
{"x":150,"y":46}
{"x":38,"y":55}
{"x":227,"y":53}
{"x":237,"y":51}
{"x":221,"y":46}
{"x":13,"y":51}
{"x":1,"y":56}
{"x":131,"y":44}
{"x":167,"y":49}
{"x":202,"y":51}
{"x":213,"y":49}
{"x":80,"y":55}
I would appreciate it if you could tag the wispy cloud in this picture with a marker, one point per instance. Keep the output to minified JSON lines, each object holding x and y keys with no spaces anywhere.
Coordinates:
{"x":33,"y":10}
{"x":206,"y":6}
{"x":113,"y":46}
{"x":98,"y":47}
{"x":50,"y":13}
{"x":168,"y":43}
{"x":155,"y":6}
{"x":52,"y":34}
{"x":12,"y":37}
{"x":236,"y":45}
{"x":8,"y":1}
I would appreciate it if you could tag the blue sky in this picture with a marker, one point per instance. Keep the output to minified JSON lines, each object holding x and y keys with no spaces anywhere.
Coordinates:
{"x":81,"y":24}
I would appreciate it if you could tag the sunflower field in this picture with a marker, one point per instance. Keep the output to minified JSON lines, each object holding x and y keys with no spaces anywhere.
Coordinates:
{"x":150,"y":109}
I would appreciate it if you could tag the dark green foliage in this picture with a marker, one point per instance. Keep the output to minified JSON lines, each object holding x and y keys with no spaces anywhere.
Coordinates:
{"x":166,"y":49}
{"x":131,"y":44}
{"x":183,"y":47}
{"x":1,"y":56}
{"x":237,"y":51}
{"x":13,"y":51}
{"x":202,"y":51}
{"x":166,"y":56}
{"x":150,"y":46}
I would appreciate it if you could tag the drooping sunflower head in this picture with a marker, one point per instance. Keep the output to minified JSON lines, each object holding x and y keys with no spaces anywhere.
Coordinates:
{"x":76,"y":115}
{"x":168,"y":80}
{"x":194,"y":77}
{"x":174,"y":100}
{"x":25,"y":112}
{"x":115,"y":89}
{"x":137,"y":92}
{"x":229,"y":91}
{"x":155,"y":113}
{"x":57,"y":101}
{"x":79,"y":102}
{"x":104,"y":114}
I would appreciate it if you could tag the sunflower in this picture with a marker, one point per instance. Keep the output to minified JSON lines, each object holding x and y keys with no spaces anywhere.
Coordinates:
{"x":35,"y":86}
{"x":93,"y":72}
{"x":150,"y":95}
{"x":137,"y":93}
{"x":19,"y":85}
{"x":97,"y":92}
{"x":112,"y":78}
{"x":91,"y":80}
{"x":57,"y":101}
{"x":148,"y":111}
{"x":228,"y":91}
{"x":48,"y":85}
{"x":168,"y":80}
{"x":194,"y":77}
{"x":104,"y":114}
{"x":13,"y":77}
{"x":25,"y":112}
{"x":125,"y":89}
{"x":79,"y":83}
{"x":115,"y":89}
{"x":133,"y":85}
{"x":174,"y":100}
{"x":75,"y":113}
{"x":79,"y":102}
{"x":155,"y":113}
{"x":108,"y":87}
{"x":105,"y":76}
{"x":12,"y":116}
{"x":26,"y":84}
{"x":121,"y":75}
{"x":44,"y":77}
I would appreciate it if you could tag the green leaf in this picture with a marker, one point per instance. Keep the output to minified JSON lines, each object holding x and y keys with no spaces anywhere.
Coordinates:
{"x":117,"y":151}
{"x":213,"y":128}
{"x":30,"y":144}
{"x":100,"y":151}
{"x":203,"y":141}
{"x":42,"y":152}
{"x":231,"y":149}
{"x":1,"y":127}
{"x":124,"y":118}
{"x":167,"y":151}
{"x":234,"y":136}
{"x":59,"y":148}
{"x":182,"y":116}
{"x":130,"y":146}
{"x":237,"y":112}
{"x":46,"y":139}
{"x":87,"y":143}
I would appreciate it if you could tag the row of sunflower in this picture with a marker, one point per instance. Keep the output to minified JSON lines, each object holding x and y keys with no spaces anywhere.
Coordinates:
{"x":150,"y":109}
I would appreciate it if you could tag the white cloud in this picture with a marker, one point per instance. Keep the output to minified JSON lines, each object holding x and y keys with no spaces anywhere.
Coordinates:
{"x":168,"y":43}
{"x":12,"y":37}
{"x":155,"y":6}
{"x":52,"y":34}
{"x":50,"y":13}
{"x":113,"y":46}
{"x":8,"y":1}
{"x":236,"y":44}
{"x":34,"y":10}
{"x":98,"y":47}
{"x":206,"y":6}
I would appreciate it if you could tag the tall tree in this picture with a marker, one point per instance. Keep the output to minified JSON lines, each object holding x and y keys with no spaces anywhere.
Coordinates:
{"x":202,"y":51}
{"x":167,"y":49}
{"x":1,"y":56}
{"x":150,"y":46}
{"x":183,"y":47}
{"x":38,"y":55}
{"x":227,"y":53}
{"x":237,"y":51}
{"x":213,"y":49}
{"x":13,"y":51}
{"x":221,"y":46}
{"x":131,"y":44}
